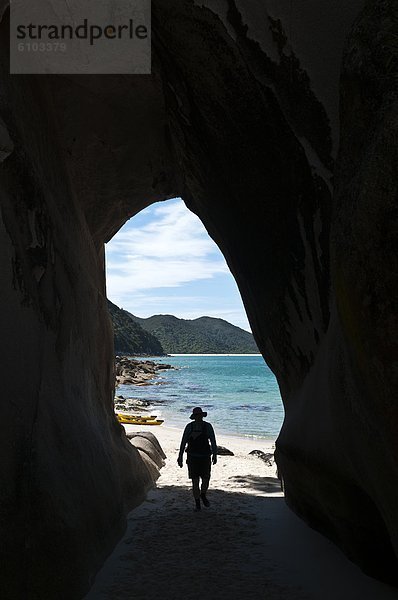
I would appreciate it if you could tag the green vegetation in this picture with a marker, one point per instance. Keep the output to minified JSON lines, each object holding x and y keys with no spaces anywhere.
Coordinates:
{"x":205,"y":335}
{"x":162,"y":334}
{"x":129,"y":336}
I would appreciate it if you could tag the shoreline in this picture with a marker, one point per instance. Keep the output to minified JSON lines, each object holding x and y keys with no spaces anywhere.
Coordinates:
{"x":150,"y":357}
{"x":126,"y":401}
{"x":235,"y":437}
{"x":219,"y":355}
{"x":232,"y":442}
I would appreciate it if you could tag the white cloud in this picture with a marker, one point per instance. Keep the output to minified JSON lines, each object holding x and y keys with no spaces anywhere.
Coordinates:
{"x":150,"y":267}
{"x":176,"y":233}
{"x":169,"y":252}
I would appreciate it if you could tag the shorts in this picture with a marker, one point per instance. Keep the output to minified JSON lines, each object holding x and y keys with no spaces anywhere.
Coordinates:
{"x":199,"y":467}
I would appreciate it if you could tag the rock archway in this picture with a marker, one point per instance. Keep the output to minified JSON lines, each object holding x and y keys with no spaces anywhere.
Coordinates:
{"x":240,"y":118}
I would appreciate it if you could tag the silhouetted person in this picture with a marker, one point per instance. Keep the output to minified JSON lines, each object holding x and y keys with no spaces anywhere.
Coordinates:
{"x":197,"y":435}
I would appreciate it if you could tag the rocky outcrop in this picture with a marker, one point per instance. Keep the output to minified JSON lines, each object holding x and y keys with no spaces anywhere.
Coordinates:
{"x":150,"y":448}
{"x":137,"y":372}
{"x":240,"y":118}
{"x":148,"y":435}
{"x":267,"y":457}
{"x":337,"y":479}
{"x":151,"y":453}
{"x":222,"y":451}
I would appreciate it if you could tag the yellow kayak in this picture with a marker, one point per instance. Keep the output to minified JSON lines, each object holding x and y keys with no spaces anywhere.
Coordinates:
{"x":137,"y":417}
{"x":138,"y":420}
{"x":129,"y":422}
{"x":151,"y":418}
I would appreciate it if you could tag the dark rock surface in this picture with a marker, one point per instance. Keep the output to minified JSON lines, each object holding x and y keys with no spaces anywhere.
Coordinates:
{"x":267,"y":457}
{"x":222,"y":451}
{"x":149,"y":436}
{"x":240,"y":118}
{"x":150,"y":448}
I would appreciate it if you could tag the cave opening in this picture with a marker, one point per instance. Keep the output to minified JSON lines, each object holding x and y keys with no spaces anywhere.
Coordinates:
{"x":309,"y":242}
{"x":166,"y":274}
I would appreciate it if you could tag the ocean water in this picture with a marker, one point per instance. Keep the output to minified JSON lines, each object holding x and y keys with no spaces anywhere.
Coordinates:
{"x":239,"y":393}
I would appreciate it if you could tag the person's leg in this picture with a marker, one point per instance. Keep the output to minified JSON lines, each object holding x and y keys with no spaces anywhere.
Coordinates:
{"x":194,"y":475}
{"x":195,"y":488}
{"x":196,"y":492}
{"x":205,"y":485}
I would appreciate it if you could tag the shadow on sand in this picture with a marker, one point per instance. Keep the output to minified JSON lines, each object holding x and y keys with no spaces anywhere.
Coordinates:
{"x":244,"y":547}
{"x":268,"y":485}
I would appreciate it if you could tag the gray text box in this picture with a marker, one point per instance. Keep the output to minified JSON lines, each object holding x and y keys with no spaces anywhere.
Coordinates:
{"x":80,"y":37}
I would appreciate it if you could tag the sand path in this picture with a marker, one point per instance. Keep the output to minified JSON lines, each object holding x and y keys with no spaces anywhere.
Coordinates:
{"x":246,"y":546}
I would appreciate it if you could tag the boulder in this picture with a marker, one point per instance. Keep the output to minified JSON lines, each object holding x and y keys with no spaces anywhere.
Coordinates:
{"x":267,"y":457}
{"x":151,"y":437}
{"x":150,"y":465}
{"x":222,"y":451}
{"x":150,"y":448}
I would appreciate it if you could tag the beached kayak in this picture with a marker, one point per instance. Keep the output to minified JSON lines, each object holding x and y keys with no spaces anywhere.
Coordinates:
{"x":130,"y":422}
{"x":137,"y":417}
{"x":138,"y":420}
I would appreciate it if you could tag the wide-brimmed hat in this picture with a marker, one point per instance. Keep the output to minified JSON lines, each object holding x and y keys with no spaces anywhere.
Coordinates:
{"x":198,"y":411}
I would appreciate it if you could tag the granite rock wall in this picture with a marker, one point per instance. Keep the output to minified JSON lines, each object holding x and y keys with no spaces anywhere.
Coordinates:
{"x":240,"y":118}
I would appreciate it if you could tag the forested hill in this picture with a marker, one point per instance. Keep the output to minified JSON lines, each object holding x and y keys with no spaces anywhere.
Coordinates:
{"x":130,"y":337}
{"x":205,"y":335}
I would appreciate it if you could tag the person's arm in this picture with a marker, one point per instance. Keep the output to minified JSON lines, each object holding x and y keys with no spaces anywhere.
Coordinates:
{"x":213,"y":443}
{"x":184,"y":441}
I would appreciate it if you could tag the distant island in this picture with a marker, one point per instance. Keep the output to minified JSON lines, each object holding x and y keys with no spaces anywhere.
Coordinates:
{"x":166,"y":334}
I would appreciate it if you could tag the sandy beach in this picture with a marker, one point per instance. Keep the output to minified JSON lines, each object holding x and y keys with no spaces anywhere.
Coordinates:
{"x":247,"y":545}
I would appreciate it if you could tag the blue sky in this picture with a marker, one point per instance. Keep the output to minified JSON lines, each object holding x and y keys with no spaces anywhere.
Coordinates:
{"x":163,"y":262}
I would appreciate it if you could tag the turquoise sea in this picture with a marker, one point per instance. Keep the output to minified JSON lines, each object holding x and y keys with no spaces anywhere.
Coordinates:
{"x":239,"y":393}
